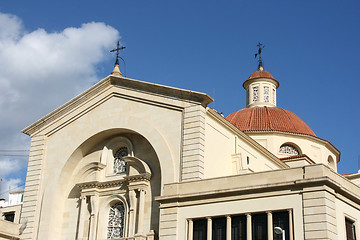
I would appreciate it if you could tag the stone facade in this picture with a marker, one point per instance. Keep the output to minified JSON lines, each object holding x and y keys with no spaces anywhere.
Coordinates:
{"x":128,"y":159}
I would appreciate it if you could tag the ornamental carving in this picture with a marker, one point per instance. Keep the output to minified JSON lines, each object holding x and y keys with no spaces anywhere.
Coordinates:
{"x":119,"y":162}
{"x":266,"y":94}
{"x":255,"y":94}
{"x":288,"y":149}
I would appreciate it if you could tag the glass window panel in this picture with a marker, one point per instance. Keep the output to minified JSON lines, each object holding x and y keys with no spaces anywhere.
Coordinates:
{"x":200,"y":229}
{"x":281,"y":219}
{"x":259,"y":226}
{"x":9,"y":216}
{"x":219,"y":228}
{"x":350,"y":229}
{"x":238,"y":227}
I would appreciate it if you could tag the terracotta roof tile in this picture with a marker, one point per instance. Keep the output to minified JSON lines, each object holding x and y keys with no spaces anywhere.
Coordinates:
{"x":261,"y":74}
{"x":268,"y":119}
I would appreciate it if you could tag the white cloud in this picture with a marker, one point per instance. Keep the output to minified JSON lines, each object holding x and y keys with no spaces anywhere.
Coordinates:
{"x":39,"y":71}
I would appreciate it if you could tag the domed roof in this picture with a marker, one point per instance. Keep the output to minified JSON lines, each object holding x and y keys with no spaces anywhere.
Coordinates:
{"x":268,"y":119}
{"x":261,"y":74}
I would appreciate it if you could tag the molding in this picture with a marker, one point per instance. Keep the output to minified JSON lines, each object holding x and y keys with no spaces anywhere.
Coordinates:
{"x":114,"y":183}
{"x":122,"y":82}
{"x":313,"y":138}
{"x":323,"y":180}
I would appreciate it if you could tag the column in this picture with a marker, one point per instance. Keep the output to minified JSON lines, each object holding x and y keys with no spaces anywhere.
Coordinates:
{"x":94,"y":200}
{"x":141,"y":212}
{"x":209,"y":229}
{"x":83,"y":209}
{"x":132,"y":213}
{"x":248,"y":227}
{"x":291,"y":226}
{"x":228,"y":228}
{"x":190,"y":229}
{"x":270,"y":225}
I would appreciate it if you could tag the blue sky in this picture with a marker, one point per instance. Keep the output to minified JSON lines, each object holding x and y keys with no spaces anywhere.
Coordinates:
{"x":311,"y":48}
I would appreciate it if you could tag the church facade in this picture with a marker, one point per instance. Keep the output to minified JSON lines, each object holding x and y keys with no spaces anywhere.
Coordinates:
{"x":128,"y":159}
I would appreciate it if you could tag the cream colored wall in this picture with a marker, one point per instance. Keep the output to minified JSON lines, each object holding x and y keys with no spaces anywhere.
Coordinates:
{"x":313,"y":148}
{"x":345,"y":210}
{"x":253,"y":205}
{"x":160,"y":125}
{"x":226,"y":152}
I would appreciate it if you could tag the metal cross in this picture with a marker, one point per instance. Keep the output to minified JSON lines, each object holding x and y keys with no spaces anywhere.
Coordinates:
{"x":260,"y":46}
{"x":117,"y":50}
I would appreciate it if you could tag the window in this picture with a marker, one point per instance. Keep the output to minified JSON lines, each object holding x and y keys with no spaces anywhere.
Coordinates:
{"x":274,"y":96}
{"x":238,"y":228}
{"x":288,"y":149}
{"x":281,"y":219}
{"x":350,"y":229}
{"x":119,"y":162}
{"x":255,"y":94}
{"x":219,"y":228}
{"x":116,"y":221}
{"x":10,"y":216}
{"x":200,"y":229}
{"x":266,"y":94}
{"x":259,"y":226}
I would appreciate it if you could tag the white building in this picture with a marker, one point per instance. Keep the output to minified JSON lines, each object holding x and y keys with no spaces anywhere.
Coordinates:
{"x":128,"y":159}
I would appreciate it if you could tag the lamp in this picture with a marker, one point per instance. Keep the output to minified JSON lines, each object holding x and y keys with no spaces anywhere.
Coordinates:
{"x":279,"y":230}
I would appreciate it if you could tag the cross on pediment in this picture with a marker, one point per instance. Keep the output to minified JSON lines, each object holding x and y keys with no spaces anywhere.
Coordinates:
{"x":117,"y":50}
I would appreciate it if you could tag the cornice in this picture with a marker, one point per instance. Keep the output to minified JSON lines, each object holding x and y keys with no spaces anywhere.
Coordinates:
{"x":115,"y":183}
{"x":119,"y":81}
{"x":316,"y":139}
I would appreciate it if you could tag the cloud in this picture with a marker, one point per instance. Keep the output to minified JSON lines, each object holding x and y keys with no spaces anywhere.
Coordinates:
{"x":40,"y":71}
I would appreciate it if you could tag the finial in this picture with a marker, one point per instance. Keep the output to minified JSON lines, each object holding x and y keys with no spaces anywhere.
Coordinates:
{"x":260,"y":46}
{"x":116,"y":65}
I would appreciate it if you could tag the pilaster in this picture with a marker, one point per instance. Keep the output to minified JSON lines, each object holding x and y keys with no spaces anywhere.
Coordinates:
{"x":193,"y":143}
{"x":319,"y":215}
{"x":32,"y":195}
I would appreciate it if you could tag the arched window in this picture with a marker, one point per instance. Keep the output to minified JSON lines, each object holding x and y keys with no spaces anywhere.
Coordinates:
{"x":288,"y":149}
{"x":116,"y":222}
{"x":119,"y":162}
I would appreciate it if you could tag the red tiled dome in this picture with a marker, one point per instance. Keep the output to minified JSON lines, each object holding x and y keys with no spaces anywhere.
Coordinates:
{"x":268,"y":119}
{"x":261,"y":74}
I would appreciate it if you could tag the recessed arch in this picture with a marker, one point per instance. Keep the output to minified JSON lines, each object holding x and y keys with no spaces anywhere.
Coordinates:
{"x":290,"y":148}
{"x":331,"y":162}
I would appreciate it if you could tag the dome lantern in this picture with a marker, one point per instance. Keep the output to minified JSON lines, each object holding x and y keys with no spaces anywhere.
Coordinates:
{"x":261,"y":89}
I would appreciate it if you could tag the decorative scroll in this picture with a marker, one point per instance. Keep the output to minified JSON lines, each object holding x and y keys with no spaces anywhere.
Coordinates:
{"x":288,"y":149}
{"x":116,"y":221}
{"x":119,"y":162}
{"x":266,"y":94}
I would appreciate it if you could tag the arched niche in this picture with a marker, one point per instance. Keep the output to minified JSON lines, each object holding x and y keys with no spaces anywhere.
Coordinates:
{"x":290,"y":148}
{"x":86,"y":165}
{"x":331,"y":163}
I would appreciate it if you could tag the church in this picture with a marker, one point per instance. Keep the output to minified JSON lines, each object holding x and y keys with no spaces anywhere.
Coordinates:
{"x":129,"y":159}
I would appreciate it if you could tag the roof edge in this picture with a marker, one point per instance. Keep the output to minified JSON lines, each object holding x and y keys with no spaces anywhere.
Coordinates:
{"x":188,"y":95}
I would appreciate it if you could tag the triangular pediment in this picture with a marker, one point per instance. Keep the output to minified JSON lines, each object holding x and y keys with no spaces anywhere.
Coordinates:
{"x":157,"y":91}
